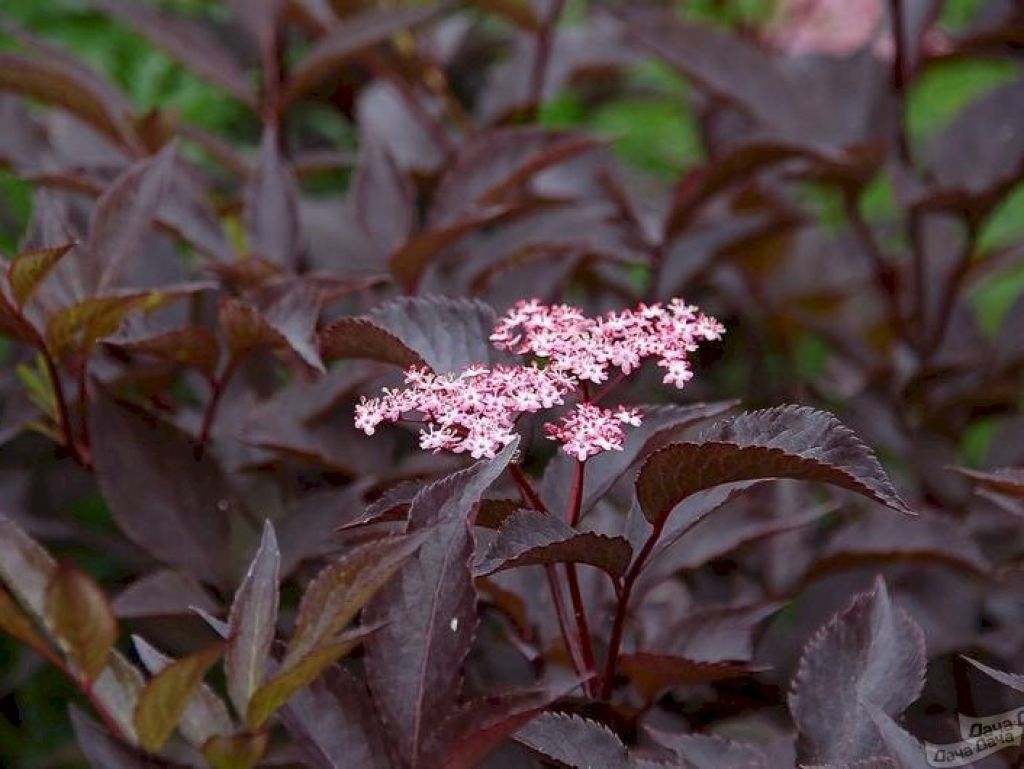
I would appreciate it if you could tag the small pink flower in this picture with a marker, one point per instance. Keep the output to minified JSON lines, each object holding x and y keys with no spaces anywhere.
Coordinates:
{"x":588,"y":430}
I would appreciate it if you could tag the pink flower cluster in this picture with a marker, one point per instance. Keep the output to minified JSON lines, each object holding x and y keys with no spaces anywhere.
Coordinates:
{"x":475,"y":411}
{"x":586,"y":347}
{"x":588,"y":429}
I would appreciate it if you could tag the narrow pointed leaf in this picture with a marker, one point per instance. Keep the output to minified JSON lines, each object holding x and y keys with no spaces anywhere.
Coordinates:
{"x":239,"y":751}
{"x":166,"y":696}
{"x":189,"y":43}
{"x":352,"y":36}
{"x":334,"y":724}
{"x":271,"y":205}
{"x":427,"y":612}
{"x":480,"y":725}
{"x":55,"y":81}
{"x":652,"y":673}
{"x":82,"y":620}
{"x":1004,"y":480}
{"x":118,"y":687}
{"x":104,"y":751}
{"x":299,"y":673}
{"x":122,"y":218}
{"x":164,"y":498}
{"x":340,"y":591}
{"x":252,"y":621}
{"x":1013,"y":680}
{"x":30,"y":268}
{"x":529,"y":537}
{"x":788,"y":442}
{"x":192,"y":346}
{"x":901,"y":746}
{"x":205,"y":715}
{"x":19,"y":625}
{"x":26,"y":567}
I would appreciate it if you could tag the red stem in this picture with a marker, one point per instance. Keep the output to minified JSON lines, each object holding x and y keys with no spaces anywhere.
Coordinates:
{"x":571,"y":643}
{"x":579,"y":609}
{"x":619,"y":624}
{"x":900,"y":76}
{"x":63,"y":414}
{"x":545,"y":39}
{"x":218,"y":385}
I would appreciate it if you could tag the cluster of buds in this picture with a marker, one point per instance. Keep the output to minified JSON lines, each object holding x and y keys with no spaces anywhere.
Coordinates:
{"x":475,"y":411}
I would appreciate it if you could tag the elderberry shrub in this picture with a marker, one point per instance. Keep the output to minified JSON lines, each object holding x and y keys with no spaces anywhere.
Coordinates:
{"x":351,"y":418}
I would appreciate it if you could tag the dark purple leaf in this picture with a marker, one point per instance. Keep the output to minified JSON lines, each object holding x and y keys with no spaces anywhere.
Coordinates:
{"x":362,"y":338}
{"x":334,"y":724}
{"x":104,"y":751}
{"x":352,"y":36}
{"x":604,"y":470}
{"x":427,"y":612}
{"x":1013,"y":680}
{"x":162,"y":594}
{"x":530,"y":537}
{"x":717,"y":633}
{"x":122,"y":219}
{"x":982,"y":150}
{"x":574,"y":742}
{"x":252,"y":622}
{"x":169,"y":502}
{"x":187,"y":42}
{"x":930,"y":537}
{"x":382,"y":198}
{"x":271,"y":204}
{"x":192,"y":346}
{"x":445,"y":334}
{"x":205,"y":715}
{"x":481,"y":725}
{"x":904,"y":749}
{"x":708,"y":751}
{"x":1004,"y":480}
{"x":653,"y":673}
{"x":786,"y":442}
{"x":293,"y":314}
{"x":52,"y":76}
{"x":496,"y":164}
{"x":288,"y":321}
{"x":870,"y":654}
{"x":26,"y":567}
{"x":409,"y":261}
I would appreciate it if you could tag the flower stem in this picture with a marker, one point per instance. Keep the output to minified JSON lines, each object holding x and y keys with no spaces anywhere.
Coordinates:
{"x":619,"y":624}
{"x":579,"y":609}
{"x":571,"y":642}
